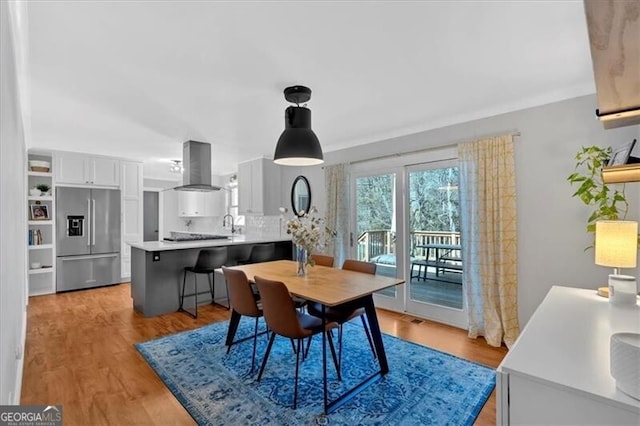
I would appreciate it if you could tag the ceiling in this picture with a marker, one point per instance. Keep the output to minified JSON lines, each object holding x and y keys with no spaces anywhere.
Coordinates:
{"x":136,"y":79}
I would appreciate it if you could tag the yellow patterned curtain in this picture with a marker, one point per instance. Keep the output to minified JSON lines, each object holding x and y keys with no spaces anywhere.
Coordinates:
{"x":336,"y":180}
{"x":488,"y":203}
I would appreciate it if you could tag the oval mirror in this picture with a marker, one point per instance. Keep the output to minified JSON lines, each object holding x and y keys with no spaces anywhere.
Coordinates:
{"x":300,"y":196}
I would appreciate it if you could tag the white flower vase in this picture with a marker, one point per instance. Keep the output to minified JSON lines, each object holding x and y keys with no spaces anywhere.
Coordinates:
{"x":301,"y":259}
{"x":34,"y":192}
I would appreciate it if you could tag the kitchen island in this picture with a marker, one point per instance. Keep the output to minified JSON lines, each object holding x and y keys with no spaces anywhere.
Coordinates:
{"x":157,"y":268}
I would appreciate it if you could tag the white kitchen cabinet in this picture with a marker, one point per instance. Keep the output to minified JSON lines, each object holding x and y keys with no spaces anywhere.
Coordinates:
{"x":557,"y":372}
{"x":259,"y":188}
{"x":80,"y":169}
{"x":216,"y":202}
{"x":41,"y":229}
{"x":132,"y":212}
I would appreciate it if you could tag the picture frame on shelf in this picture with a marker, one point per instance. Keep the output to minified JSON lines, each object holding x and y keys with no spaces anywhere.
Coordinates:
{"x":39,"y":212}
{"x":621,"y":155}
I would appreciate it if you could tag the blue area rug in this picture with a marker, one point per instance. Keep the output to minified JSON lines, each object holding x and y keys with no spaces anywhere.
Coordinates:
{"x":424,"y":386}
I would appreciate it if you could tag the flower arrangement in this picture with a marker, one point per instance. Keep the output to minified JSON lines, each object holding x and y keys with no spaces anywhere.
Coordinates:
{"x":308,"y":232}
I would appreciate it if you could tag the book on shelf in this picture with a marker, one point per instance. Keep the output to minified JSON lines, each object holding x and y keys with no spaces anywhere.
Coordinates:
{"x":35,"y":237}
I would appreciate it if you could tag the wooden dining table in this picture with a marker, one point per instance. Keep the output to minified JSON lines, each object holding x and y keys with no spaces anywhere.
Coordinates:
{"x":329,"y":287}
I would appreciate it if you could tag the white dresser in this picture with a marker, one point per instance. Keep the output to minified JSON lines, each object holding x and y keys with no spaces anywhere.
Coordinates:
{"x":558,"y":370}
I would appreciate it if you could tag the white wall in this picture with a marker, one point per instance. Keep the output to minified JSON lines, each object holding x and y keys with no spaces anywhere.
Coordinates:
{"x":13,"y":244}
{"x":315,"y":176}
{"x":551,"y":224}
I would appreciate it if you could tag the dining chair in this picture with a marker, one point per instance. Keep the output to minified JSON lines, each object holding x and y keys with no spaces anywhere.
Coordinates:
{"x":283,"y":319}
{"x":322,"y":260}
{"x":243,"y":303}
{"x":347,"y":311}
{"x":207,"y":262}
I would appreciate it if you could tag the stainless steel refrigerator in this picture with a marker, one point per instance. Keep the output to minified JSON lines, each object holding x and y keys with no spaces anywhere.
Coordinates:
{"x":88,"y":234}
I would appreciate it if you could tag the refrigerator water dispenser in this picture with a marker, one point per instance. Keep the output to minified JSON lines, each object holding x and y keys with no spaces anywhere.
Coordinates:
{"x":75,"y":226}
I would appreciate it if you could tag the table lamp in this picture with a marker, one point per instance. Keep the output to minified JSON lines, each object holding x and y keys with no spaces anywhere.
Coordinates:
{"x":617,"y":247}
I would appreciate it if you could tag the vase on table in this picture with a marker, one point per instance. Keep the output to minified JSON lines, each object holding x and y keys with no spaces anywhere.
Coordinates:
{"x":301,"y":260}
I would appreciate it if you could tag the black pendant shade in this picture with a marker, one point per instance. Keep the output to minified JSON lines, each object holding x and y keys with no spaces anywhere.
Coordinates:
{"x":298,"y":145}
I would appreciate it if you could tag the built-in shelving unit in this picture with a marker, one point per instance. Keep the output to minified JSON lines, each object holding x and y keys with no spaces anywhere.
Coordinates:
{"x":41,"y":231}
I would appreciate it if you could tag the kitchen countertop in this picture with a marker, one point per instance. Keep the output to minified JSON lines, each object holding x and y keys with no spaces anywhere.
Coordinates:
{"x":235,"y":240}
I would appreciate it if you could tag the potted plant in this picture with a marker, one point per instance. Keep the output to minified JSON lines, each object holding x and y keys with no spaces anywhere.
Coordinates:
{"x":44,"y":188}
{"x":607,"y":203}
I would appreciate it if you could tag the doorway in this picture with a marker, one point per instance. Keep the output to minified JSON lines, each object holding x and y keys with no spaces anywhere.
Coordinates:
{"x":435,"y":264}
{"x":375,"y":237}
{"x":151,"y":219}
{"x":406,"y":219}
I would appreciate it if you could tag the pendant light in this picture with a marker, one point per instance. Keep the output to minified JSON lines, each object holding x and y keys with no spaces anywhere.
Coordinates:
{"x":176,"y":166}
{"x":298,"y":145}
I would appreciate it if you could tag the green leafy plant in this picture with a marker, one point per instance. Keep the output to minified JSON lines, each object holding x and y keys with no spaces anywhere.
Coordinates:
{"x":607,"y":203}
{"x":43,"y":187}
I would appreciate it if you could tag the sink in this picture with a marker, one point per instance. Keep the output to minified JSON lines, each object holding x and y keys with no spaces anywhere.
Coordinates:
{"x":625,"y":368}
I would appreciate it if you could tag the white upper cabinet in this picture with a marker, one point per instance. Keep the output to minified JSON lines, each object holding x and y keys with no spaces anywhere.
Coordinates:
{"x":79,"y":169}
{"x":104,"y":171}
{"x":245,"y":186}
{"x":259,"y":187}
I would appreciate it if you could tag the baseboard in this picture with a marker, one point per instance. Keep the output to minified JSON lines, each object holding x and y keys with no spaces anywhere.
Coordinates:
{"x":20,"y":364}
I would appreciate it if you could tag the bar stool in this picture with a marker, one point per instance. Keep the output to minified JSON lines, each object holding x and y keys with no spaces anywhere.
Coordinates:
{"x":260,"y":253}
{"x":208,"y":261}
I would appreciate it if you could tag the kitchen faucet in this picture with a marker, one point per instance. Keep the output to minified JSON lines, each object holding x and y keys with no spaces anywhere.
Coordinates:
{"x":224,"y":222}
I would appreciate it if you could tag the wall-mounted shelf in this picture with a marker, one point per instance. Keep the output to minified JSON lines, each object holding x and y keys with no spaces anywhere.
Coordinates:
{"x":40,"y":198}
{"x":615,"y":53}
{"x":40,"y":174}
{"x":40,"y":246}
{"x":41,"y":222}
{"x":40,"y":271}
{"x":621,"y":174}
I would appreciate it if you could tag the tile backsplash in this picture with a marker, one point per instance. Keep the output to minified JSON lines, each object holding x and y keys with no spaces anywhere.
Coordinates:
{"x":263,"y":225}
{"x":253,"y":225}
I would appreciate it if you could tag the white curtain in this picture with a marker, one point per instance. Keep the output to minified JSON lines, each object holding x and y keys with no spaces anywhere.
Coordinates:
{"x":337,"y":183}
{"x":488,"y":197}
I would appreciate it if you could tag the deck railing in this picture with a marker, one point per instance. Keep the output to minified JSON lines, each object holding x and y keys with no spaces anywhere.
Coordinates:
{"x":375,"y":243}
{"x":421,"y":238}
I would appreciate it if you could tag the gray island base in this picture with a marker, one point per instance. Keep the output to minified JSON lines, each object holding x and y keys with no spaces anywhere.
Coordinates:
{"x":157,"y":270}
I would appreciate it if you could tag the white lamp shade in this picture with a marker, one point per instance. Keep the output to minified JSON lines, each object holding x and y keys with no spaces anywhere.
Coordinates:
{"x":616,"y":243}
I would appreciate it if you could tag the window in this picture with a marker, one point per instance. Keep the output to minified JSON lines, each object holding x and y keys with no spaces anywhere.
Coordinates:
{"x":232,"y":203}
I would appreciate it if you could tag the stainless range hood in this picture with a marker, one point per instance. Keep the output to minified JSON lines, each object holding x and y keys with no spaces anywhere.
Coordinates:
{"x":196,"y":158}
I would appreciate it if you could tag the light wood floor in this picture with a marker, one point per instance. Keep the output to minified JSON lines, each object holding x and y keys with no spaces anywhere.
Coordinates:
{"x":79,"y":353}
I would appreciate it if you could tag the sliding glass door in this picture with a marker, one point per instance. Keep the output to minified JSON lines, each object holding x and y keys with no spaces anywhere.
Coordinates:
{"x":374,"y":236}
{"x":434,"y":245}
{"x":406,"y":219}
